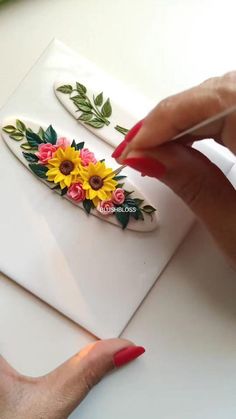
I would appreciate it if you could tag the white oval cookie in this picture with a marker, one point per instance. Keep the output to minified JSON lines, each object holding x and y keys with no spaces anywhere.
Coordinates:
{"x":15,"y":139}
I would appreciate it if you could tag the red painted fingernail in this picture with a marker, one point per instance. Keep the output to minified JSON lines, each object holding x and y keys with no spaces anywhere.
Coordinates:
{"x":147,"y":166}
{"x":119,"y":150}
{"x":127,"y":355}
{"x":131,"y":134}
{"x":134,"y":131}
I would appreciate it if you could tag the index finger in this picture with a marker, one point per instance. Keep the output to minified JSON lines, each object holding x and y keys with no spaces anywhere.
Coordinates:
{"x":180,"y":112}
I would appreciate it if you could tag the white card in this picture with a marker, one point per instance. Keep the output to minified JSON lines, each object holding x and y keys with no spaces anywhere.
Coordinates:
{"x":94,"y":273}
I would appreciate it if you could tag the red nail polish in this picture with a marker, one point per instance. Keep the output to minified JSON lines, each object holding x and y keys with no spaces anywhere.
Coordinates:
{"x":147,"y":166}
{"x":119,"y":150}
{"x":127,"y":355}
{"x":131,"y":134}
{"x":134,"y":131}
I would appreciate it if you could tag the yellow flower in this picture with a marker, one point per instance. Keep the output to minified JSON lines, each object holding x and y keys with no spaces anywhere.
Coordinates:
{"x":97,"y":181}
{"x":64,"y":167}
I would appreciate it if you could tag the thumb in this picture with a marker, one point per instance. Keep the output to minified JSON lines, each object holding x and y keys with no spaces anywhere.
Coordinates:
{"x":65,"y":387}
{"x":200,"y":183}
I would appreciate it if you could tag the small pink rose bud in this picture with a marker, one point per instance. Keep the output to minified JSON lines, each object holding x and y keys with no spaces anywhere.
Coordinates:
{"x":76,"y":192}
{"x":118,"y":196}
{"x":106,"y":207}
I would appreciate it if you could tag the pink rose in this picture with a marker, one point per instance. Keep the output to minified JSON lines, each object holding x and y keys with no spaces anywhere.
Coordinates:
{"x":63,"y":142}
{"x":106,"y":207}
{"x":118,"y":196}
{"x":45,"y":152}
{"x":87,"y":157}
{"x":76,"y":192}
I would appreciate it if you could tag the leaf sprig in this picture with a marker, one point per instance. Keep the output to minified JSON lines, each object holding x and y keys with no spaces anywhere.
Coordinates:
{"x":131,"y":207}
{"x":21,"y":132}
{"x":17,"y":132}
{"x":95,"y":111}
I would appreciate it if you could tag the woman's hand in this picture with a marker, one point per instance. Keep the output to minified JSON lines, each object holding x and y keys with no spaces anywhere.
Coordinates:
{"x":148,"y":148}
{"x":57,"y":394}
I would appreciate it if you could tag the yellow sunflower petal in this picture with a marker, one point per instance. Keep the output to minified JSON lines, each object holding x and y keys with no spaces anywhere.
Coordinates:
{"x":62,"y":184}
{"x":59,"y":177}
{"x":54,"y":162}
{"x":67,"y":180}
{"x":53,"y":172}
{"x":92,"y":193}
{"x":86,"y":185}
{"x":60,"y":154}
{"x":96,"y":201}
{"x":101,"y":194}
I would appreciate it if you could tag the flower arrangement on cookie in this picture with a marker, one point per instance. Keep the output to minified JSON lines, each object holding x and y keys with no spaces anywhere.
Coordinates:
{"x":74,"y":171}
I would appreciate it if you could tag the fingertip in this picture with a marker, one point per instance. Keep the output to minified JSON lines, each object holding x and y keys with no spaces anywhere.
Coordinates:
{"x":128,"y":355}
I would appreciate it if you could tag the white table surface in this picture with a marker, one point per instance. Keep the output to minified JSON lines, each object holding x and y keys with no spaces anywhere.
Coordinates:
{"x":187,"y":323}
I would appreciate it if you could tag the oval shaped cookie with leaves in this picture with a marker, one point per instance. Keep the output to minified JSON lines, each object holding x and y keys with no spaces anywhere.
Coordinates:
{"x":97,"y":112}
{"x":72,"y":170}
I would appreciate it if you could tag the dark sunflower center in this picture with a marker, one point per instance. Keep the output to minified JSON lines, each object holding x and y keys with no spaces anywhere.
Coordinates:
{"x":96,"y":182}
{"x":66,"y":167}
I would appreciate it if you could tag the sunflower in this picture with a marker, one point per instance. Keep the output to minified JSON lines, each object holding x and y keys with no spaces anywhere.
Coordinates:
{"x":97,"y":181}
{"x":64,"y":167}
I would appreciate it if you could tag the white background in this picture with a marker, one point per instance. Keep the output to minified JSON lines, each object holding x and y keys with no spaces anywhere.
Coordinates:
{"x":188,"y":321}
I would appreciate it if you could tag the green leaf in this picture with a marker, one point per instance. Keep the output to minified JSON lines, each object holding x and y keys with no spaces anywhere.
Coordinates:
{"x":81,"y":88}
{"x":78,"y":100}
{"x":9,"y":129}
{"x":41,"y":133}
{"x":95,"y":123}
{"x":73,"y":144}
{"x":20,"y":125}
{"x":79,"y":146}
{"x":127,"y":193}
{"x":84,"y":108}
{"x":85,"y":117}
{"x":50,"y":135}
{"x":75,"y":97}
{"x":88,"y":205}
{"x":39,"y":170}
{"x":98,"y":101}
{"x":122,"y":130}
{"x":122,"y":217}
{"x":120,"y":185}
{"x":102,"y":160}
{"x":17,"y":136}
{"x":140,"y":215}
{"x":106,"y":109}
{"x":137,"y":215}
{"x":30,"y":157}
{"x":66,"y":88}
{"x":64,"y":191}
{"x":119,"y":177}
{"x":148,"y":209}
{"x":130,"y":202}
{"x":26,"y":146}
{"x":138,"y":201}
{"x":33,"y":139}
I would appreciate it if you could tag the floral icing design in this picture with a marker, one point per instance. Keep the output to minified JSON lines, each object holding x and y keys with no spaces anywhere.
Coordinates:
{"x":74,"y":171}
{"x":94,"y":111}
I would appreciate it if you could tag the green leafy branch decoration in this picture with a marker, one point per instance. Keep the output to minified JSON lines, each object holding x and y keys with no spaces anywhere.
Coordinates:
{"x":95,"y":111}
